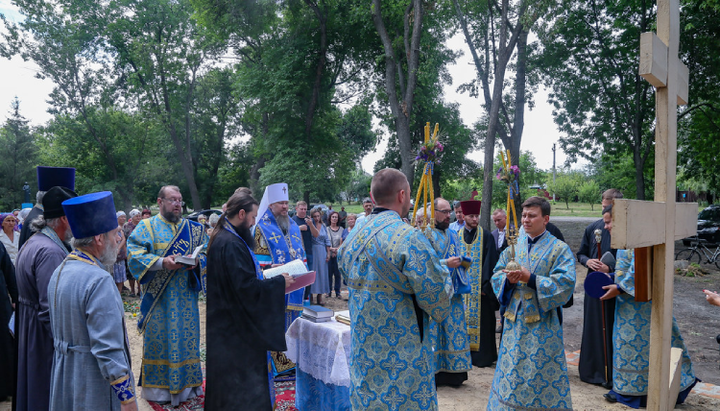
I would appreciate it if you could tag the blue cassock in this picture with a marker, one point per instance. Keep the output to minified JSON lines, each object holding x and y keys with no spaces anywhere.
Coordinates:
{"x":450,"y":338}
{"x":396,"y":285}
{"x":531,"y":372}
{"x":169,"y":318}
{"x":631,"y":338}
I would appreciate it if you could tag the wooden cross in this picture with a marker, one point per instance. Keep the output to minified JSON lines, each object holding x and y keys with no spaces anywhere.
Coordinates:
{"x":658,"y":224}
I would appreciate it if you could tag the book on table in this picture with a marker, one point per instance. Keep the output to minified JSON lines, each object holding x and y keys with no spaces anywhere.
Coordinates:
{"x":316,"y":319}
{"x":297,"y":270}
{"x":317,"y":311}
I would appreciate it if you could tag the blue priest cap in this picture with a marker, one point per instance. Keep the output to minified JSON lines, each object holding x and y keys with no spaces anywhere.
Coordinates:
{"x":91,"y":214}
{"x":49,"y":177}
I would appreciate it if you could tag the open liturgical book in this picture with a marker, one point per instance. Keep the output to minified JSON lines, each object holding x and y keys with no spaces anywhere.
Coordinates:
{"x":297,"y":270}
{"x":189,"y":260}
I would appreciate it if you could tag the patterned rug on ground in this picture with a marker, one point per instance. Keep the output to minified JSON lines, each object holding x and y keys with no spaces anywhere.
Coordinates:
{"x":197,"y":403}
{"x":284,"y":399}
{"x":285,"y":396}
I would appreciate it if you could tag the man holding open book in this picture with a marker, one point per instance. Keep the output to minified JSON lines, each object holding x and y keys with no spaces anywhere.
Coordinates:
{"x":246,"y":313}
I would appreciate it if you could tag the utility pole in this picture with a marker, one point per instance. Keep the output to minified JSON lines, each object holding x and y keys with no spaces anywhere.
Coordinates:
{"x":553,"y":171}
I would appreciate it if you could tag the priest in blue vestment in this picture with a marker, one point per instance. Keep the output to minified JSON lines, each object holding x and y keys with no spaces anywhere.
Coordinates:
{"x":631,"y":336}
{"x":531,"y":372}
{"x":169,"y":318}
{"x":397,"y":285}
{"x":450,"y":338}
{"x":91,"y":368}
{"x":278,"y":240}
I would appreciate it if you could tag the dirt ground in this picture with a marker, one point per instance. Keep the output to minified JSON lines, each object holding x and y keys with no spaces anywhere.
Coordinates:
{"x":699,"y":323}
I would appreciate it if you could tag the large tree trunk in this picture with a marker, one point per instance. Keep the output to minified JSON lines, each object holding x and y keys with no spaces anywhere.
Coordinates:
{"x":402,"y":109}
{"x":319,"y":69}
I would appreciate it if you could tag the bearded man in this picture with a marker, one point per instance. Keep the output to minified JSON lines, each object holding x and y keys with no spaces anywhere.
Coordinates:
{"x":278,"y":240}
{"x":481,"y":303}
{"x":245,"y":316}
{"x":169,"y":318}
{"x":37,"y":260}
{"x":451,"y":346}
{"x":91,"y":367}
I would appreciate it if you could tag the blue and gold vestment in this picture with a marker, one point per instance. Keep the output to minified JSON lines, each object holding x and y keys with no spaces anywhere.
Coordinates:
{"x":450,"y":338}
{"x":396,"y":285}
{"x":169,"y":319}
{"x":631,"y":336}
{"x":531,"y":372}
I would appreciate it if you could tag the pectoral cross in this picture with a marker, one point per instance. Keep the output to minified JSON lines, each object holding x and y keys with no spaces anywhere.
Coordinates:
{"x":275,"y":237}
{"x":658,"y":224}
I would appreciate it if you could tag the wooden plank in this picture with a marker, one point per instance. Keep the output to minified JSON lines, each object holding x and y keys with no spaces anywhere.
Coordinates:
{"x":683,"y":76}
{"x":637,"y":224}
{"x":685,"y":220}
{"x":675,"y":375}
{"x":668,"y":27}
{"x":653,"y":59}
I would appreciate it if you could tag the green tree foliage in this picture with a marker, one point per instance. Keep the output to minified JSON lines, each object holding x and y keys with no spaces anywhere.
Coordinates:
{"x":293,"y":56}
{"x":128,"y":141}
{"x":698,"y":125}
{"x":589,"y":192}
{"x":565,"y":187}
{"x":146,"y":60}
{"x":19,"y":154}
{"x":590,"y":58}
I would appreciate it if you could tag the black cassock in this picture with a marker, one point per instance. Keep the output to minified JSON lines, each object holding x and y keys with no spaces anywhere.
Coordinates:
{"x":8,"y":287}
{"x":245,"y":320}
{"x":591,"y":365}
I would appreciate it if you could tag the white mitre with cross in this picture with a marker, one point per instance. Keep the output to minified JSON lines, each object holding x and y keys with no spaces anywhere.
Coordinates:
{"x":273,"y":193}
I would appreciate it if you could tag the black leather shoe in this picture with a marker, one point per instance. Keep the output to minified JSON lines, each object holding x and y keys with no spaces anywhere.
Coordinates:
{"x":610,"y":397}
{"x":607,"y":385}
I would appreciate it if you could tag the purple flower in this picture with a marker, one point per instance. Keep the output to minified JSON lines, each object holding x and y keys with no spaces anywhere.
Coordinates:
{"x":515,"y":170}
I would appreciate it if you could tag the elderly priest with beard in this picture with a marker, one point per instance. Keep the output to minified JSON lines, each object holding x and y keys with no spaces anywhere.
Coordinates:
{"x":91,"y":366}
{"x":245,"y":318}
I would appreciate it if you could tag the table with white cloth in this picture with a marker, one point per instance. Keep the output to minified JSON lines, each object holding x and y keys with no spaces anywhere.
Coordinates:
{"x":320,"y":351}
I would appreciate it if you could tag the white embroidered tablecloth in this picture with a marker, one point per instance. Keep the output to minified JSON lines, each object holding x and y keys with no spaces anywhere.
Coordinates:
{"x":320,"y":349}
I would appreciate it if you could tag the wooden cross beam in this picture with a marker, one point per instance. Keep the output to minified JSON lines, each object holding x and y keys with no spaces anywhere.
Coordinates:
{"x":659,"y":223}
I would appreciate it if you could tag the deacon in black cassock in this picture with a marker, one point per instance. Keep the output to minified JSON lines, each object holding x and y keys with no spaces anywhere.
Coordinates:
{"x":592,"y":363}
{"x":245,"y":314}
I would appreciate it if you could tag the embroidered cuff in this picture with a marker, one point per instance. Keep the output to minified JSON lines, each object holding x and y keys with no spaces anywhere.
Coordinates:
{"x":124,"y":389}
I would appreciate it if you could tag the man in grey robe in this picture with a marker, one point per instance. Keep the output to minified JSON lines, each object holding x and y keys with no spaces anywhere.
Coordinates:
{"x":91,"y":367}
{"x":37,"y":260}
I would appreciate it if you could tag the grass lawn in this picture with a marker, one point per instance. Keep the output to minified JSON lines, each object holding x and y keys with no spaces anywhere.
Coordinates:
{"x":576,"y":209}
